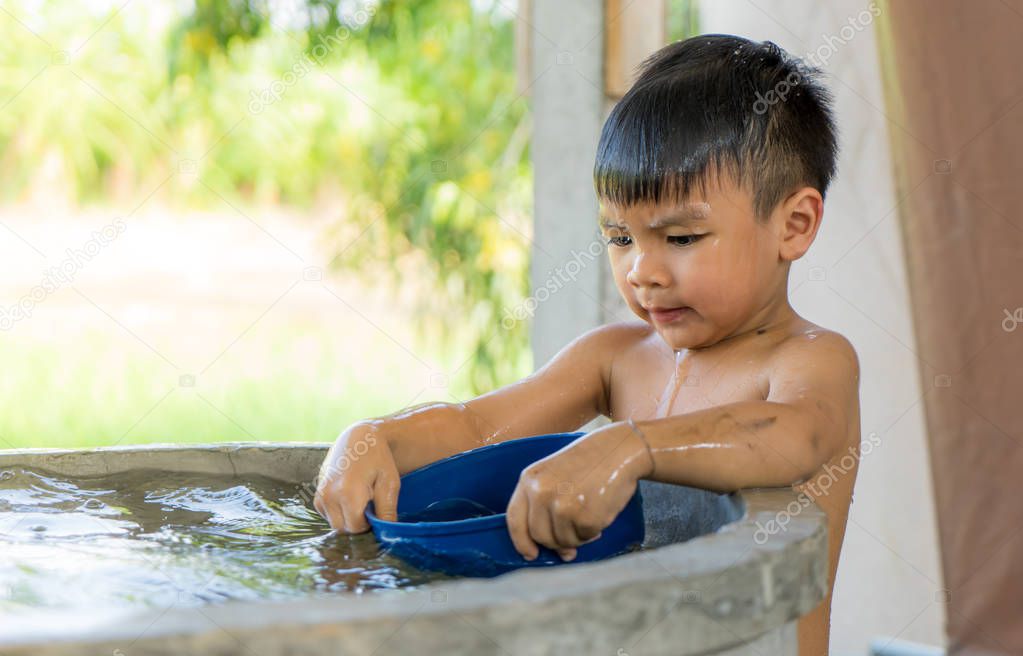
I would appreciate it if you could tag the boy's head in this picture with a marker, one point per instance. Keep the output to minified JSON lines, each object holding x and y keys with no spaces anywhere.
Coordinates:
{"x":739,"y":136}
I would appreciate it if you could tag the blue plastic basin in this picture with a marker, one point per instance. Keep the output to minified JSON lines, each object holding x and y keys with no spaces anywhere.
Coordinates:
{"x":451,"y":513}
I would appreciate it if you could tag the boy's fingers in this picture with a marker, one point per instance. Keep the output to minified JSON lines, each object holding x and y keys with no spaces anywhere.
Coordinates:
{"x":385,"y":498}
{"x":540,"y":529}
{"x":355,"y":522}
{"x":331,"y":505}
{"x":567,"y":554}
{"x":517,"y":529}
{"x":352,"y":506}
{"x":565,"y":533}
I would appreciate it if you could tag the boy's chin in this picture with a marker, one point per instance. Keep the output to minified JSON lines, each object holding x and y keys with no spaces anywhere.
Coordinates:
{"x":681,"y":337}
{"x":675,"y":337}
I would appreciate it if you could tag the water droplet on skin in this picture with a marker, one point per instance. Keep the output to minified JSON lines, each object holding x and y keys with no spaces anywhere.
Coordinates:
{"x":6,"y":475}
{"x":93,"y":504}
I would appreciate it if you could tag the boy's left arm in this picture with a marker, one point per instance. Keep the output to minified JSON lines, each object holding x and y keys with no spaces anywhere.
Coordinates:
{"x":566,"y":499}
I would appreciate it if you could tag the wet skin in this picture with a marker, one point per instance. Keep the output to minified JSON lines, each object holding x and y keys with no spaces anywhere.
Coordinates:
{"x":737,"y":391}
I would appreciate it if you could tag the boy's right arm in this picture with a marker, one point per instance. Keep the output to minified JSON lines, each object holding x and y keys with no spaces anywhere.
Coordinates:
{"x":365,"y":462}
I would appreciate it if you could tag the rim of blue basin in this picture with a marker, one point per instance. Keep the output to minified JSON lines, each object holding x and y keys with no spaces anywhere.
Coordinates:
{"x":471,"y":524}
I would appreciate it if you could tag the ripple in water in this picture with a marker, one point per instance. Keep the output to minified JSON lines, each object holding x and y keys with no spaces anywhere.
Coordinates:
{"x":155,"y":539}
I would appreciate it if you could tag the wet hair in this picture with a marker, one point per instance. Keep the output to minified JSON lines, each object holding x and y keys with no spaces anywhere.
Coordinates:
{"x":713,"y":104}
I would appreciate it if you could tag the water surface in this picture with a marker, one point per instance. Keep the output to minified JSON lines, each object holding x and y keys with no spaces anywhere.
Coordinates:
{"x":148,"y":538}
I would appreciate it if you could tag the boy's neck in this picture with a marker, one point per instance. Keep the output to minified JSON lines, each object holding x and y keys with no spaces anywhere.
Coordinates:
{"x":773,"y":318}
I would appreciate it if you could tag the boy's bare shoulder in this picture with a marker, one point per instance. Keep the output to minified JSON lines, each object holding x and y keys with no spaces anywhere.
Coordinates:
{"x":809,"y":346}
{"x":608,"y":342}
{"x":618,"y":337}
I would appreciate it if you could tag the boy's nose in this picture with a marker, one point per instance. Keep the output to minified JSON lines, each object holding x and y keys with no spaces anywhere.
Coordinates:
{"x":647,"y":271}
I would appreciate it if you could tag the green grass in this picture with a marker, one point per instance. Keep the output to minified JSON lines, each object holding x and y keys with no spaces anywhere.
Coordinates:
{"x":96,"y":392}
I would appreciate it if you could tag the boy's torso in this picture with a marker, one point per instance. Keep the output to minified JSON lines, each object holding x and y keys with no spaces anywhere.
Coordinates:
{"x":646,"y":382}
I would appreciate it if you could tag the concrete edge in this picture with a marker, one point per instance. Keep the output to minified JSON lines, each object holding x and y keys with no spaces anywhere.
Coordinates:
{"x":721,"y":589}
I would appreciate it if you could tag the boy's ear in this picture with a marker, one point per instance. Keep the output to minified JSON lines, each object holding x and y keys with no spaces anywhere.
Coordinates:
{"x":800,"y":218}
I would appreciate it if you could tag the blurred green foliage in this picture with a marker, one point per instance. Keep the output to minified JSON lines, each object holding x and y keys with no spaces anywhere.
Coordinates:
{"x":683,"y":19}
{"x":401,"y":120}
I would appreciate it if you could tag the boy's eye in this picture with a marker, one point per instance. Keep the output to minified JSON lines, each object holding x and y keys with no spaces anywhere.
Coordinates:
{"x":692,"y":239}
{"x":677,"y":239}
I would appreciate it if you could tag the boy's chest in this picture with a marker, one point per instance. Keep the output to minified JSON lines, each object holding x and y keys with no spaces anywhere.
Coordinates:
{"x":652,"y":387}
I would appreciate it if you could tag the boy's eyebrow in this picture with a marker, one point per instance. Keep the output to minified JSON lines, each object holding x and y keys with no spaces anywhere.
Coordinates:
{"x":683,"y":216}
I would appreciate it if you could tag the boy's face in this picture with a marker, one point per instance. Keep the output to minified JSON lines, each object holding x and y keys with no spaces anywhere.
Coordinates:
{"x":709,"y":255}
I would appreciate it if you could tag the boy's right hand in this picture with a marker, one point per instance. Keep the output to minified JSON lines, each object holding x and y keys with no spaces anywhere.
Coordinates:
{"x":359,"y":468}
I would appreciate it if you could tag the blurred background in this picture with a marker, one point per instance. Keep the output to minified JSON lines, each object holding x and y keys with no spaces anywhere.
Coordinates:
{"x":255,"y":220}
{"x":315,"y":211}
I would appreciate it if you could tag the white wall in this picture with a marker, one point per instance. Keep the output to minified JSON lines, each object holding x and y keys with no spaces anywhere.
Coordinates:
{"x":853,"y":280}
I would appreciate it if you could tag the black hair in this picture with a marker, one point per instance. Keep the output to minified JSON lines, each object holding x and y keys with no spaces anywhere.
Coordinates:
{"x":718,"y":103}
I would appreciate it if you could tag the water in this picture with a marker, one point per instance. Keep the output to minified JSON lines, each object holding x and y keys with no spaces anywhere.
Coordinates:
{"x":149,"y":538}
{"x":666,"y":402}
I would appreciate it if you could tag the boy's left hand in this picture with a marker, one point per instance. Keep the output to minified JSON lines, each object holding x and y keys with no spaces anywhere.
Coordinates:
{"x":566,"y":499}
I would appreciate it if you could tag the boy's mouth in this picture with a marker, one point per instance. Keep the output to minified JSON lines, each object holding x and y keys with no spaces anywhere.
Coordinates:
{"x":668,"y":315}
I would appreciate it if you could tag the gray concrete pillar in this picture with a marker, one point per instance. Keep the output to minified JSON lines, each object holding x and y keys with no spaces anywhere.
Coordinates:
{"x":568,"y":112}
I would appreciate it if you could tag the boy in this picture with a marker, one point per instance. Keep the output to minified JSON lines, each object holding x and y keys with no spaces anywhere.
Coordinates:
{"x":711,"y":174}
